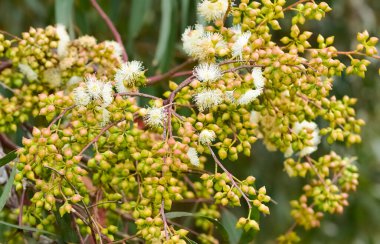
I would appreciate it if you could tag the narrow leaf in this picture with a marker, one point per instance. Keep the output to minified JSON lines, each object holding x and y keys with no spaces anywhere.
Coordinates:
{"x":7,"y":189}
{"x":173,"y":215}
{"x":229,"y":221}
{"x":64,"y":14}
{"x":26,"y":228}
{"x":185,"y":9}
{"x":165,"y":28}
{"x":136,"y":19}
{"x":8,"y":158}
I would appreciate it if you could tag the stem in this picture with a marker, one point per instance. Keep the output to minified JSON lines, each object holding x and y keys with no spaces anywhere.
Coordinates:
{"x":95,"y":225}
{"x":112,"y":27}
{"x":135,"y":94}
{"x":230,"y":176}
{"x":295,"y":4}
{"x":6,"y":142}
{"x":154,"y":79}
{"x":162,"y":211}
{"x":308,"y":159}
{"x":60,"y":116}
{"x":22,"y":203}
{"x":98,"y":136}
{"x":76,"y":227}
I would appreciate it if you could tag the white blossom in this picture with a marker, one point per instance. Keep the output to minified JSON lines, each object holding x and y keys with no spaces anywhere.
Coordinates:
{"x":120,"y":87}
{"x":289,"y":152}
{"x":206,"y":137}
{"x":208,"y":72}
{"x":105,"y":117}
{"x":117,"y":49}
{"x":212,"y":10}
{"x":230,"y":96}
{"x":53,"y":77}
{"x":190,"y":38}
{"x":129,"y":72}
{"x":240,"y":44}
{"x":94,"y":86}
{"x":208,"y":98}
{"x":258,"y":78}
{"x":81,"y":96}
{"x":198,"y":43}
{"x":28,"y":72}
{"x":3,"y":175}
{"x":74,"y":80}
{"x":236,"y":29}
{"x":312,"y":130}
{"x":249,"y":96}
{"x":107,"y":94}
{"x":254,"y":117}
{"x":193,"y":156}
{"x":64,"y":40}
{"x":155,"y":117}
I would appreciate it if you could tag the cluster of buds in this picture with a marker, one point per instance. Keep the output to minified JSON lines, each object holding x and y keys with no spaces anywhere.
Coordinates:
{"x":46,"y":61}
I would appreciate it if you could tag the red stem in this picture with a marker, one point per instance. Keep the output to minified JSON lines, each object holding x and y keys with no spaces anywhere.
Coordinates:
{"x":112,"y":27}
{"x":98,"y":136}
{"x":6,"y":142}
{"x":230,"y":177}
{"x":154,"y":79}
{"x":60,"y":116}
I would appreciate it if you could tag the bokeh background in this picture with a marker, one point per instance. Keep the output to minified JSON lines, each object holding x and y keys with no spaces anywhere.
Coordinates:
{"x":151,"y":28}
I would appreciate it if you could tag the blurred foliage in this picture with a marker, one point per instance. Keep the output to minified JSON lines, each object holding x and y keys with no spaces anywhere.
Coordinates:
{"x":149,"y":32}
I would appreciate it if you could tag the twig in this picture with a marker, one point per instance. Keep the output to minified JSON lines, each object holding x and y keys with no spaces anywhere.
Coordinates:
{"x":136,"y":94}
{"x":98,"y":136}
{"x":5,"y":64}
{"x":186,"y":83}
{"x":294,"y":4}
{"x":154,"y":79}
{"x":162,"y":211}
{"x":308,"y":159}
{"x":230,"y":176}
{"x":76,"y":227}
{"x":125,"y":239}
{"x":112,"y":27}
{"x":21,"y":206}
{"x":95,"y":225}
{"x":60,"y":116}
{"x":6,"y":142}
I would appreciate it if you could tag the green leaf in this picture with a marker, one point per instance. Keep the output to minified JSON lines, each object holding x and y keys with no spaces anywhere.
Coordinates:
{"x":223,"y":232}
{"x":229,"y":221}
{"x":136,"y":19}
{"x":7,"y":158}
{"x":64,"y":14}
{"x":7,"y":188}
{"x":249,"y":236}
{"x":66,"y":232}
{"x":185,"y":9}
{"x":173,"y":215}
{"x":26,"y":228}
{"x":167,"y":7}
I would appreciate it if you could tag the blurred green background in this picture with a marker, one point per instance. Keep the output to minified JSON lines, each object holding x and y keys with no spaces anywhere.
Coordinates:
{"x":151,"y":28}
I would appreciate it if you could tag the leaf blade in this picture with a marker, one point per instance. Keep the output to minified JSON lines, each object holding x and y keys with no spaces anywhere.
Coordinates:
{"x":64,"y":10}
{"x":8,"y":158}
{"x":7,"y":188}
{"x":26,"y":228}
